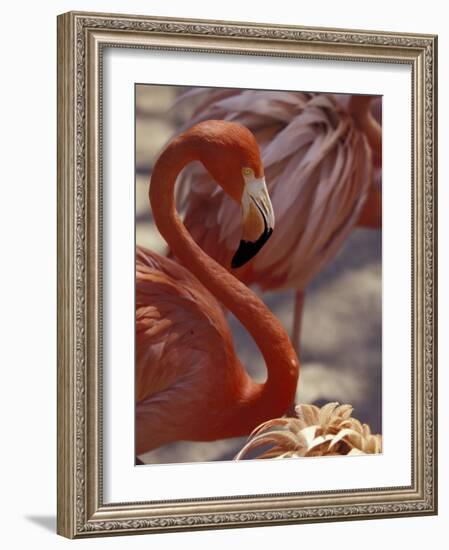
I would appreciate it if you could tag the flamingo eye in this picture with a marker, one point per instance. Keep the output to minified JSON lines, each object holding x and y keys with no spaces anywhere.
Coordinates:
{"x":247,"y":172}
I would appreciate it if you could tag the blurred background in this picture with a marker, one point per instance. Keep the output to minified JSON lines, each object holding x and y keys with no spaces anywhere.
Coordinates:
{"x":341,"y":337}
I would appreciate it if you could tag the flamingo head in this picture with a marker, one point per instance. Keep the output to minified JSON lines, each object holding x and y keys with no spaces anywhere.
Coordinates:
{"x":231,"y":155}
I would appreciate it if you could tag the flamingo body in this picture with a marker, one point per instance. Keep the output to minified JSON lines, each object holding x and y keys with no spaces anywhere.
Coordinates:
{"x":318,"y":166}
{"x":187,"y":373}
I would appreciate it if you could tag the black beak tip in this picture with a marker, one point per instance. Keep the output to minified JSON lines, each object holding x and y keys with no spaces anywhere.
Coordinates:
{"x":248,"y":249}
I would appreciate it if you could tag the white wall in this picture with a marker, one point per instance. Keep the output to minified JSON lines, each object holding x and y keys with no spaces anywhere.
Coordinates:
{"x":27,"y":292}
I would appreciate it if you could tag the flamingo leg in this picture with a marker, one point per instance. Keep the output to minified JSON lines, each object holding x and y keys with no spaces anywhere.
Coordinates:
{"x":296,"y":337}
{"x":297,"y":320}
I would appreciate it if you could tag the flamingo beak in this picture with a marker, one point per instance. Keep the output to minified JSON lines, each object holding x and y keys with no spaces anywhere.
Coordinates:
{"x":258,"y":221}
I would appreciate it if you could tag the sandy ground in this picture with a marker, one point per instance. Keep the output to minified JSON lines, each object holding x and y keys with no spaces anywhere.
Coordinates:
{"x":342,"y":325}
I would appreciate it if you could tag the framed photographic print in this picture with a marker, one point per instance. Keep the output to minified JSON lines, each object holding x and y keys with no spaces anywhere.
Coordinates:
{"x":246,"y":274}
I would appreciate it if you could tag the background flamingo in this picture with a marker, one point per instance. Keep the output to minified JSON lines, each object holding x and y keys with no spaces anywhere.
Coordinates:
{"x":190,"y":384}
{"x":322,"y":156}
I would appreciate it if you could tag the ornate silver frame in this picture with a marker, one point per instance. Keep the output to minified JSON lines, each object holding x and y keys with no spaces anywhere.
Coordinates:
{"x":81,"y":38}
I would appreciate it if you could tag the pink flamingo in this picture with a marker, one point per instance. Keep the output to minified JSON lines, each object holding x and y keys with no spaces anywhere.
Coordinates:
{"x":318,"y":151}
{"x":190,"y":385}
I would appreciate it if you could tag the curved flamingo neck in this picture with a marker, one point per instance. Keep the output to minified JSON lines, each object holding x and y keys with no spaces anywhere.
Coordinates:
{"x":258,"y":401}
{"x":360,"y":109}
